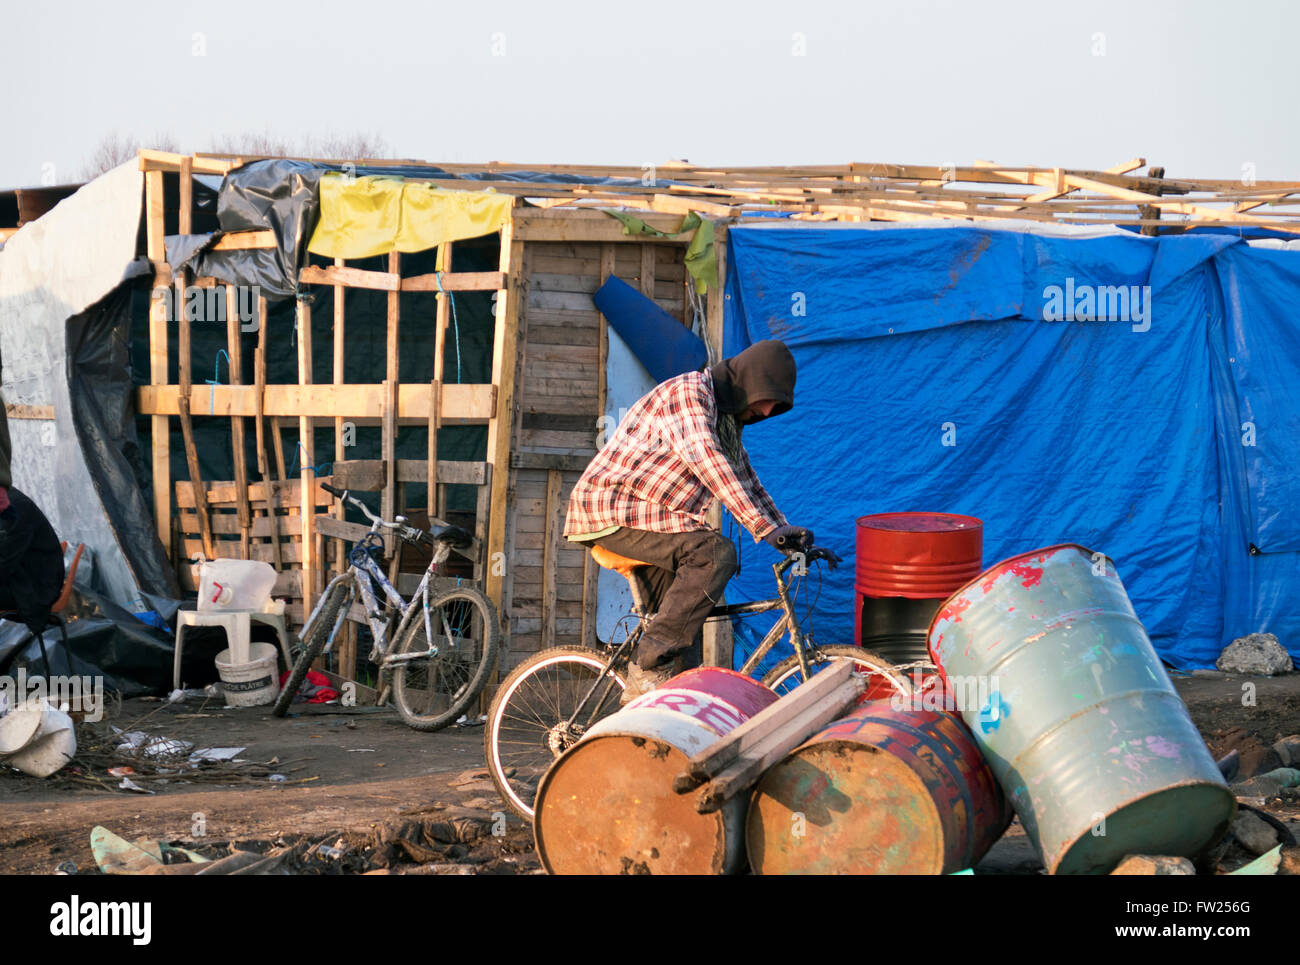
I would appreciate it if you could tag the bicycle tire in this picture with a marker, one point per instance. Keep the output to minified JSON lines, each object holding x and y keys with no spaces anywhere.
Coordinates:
{"x":516,"y":771}
{"x":467,"y":676}
{"x":312,"y":645}
{"x":884,"y":682}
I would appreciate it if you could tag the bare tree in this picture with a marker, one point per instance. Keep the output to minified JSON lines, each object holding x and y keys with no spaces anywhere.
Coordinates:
{"x":117,"y":148}
{"x":334,"y":146}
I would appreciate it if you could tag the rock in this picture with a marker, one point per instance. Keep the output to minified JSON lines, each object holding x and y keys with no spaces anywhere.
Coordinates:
{"x":1148,"y":864}
{"x":1258,"y":654}
{"x":1254,"y":756}
{"x":1290,"y":864}
{"x":1254,"y":833}
{"x":469,"y":777}
{"x":1268,"y":785}
{"x":1288,"y":750}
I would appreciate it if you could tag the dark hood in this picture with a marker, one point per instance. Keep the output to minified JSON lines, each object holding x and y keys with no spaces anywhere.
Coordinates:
{"x":765,"y":370}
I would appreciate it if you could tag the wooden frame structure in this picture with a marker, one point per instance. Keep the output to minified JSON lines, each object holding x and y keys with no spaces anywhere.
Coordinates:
{"x":547,"y":393}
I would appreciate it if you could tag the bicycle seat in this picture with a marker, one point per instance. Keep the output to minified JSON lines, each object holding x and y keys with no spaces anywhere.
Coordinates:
{"x":612,"y":561}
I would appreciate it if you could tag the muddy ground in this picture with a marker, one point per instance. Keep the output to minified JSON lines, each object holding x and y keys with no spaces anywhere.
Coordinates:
{"x":360,"y":775}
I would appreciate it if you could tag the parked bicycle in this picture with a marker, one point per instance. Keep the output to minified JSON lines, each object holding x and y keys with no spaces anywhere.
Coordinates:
{"x":549,"y":701}
{"x":436,"y":650}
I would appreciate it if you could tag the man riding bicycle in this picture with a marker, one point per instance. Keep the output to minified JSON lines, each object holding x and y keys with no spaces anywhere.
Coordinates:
{"x":646,"y":494}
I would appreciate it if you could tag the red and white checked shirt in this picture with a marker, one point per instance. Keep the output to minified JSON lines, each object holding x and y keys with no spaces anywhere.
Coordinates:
{"x":664,"y":466}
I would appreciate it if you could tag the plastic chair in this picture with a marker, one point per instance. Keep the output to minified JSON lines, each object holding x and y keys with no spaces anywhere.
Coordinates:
{"x":55,"y":618}
{"x":237,"y":624}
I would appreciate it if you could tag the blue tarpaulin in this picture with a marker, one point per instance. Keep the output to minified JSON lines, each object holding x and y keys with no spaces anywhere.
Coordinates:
{"x":1156,"y":421}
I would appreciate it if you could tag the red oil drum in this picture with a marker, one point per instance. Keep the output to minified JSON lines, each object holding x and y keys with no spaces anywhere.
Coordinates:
{"x":879,"y":791}
{"x":906,"y":565}
{"x":607,"y":805}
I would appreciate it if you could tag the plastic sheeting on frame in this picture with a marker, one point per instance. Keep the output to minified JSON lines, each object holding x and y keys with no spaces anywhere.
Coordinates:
{"x":930,"y":378}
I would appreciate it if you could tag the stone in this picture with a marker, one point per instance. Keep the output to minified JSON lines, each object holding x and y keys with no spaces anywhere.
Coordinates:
{"x":1254,"y":833}
{"x":1288,"y":750}
{"x":1258,"y":654}
{"x":1290,"y":863}
{"x":1267,"y":785}
{"x":1254,"y":755}
{"x":1151,"y":864}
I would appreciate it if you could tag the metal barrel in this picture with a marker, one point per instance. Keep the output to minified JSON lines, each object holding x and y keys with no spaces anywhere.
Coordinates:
{"x":607,"y":805}
{"x":879,"y":791}
{"x":906,"y":565}
{"x":1075,"y":714}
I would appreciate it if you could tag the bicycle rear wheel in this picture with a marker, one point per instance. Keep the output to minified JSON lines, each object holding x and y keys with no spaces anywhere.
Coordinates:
{"x":883,"y":680}
{"x":432,"y":691}
{"x":313,"y":642}
{"x":526,"y":729}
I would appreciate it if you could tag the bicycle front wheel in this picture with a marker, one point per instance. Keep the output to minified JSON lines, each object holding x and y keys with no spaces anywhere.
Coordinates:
{"x":883,"y":680}
{"x":435,"y":688}
{"x":314,"y":639}
{"x":526,"y":726}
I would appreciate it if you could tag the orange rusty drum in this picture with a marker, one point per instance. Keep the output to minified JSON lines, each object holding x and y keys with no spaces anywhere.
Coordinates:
{"x":607,"y":805}
{"x":879,"y":791}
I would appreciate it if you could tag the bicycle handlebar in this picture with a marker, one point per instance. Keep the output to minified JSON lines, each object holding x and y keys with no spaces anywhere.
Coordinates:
{"x":454,"y":535}
{"x":347,"y":497}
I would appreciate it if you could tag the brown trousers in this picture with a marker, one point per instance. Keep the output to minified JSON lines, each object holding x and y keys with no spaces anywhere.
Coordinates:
{"x":684,"y":579}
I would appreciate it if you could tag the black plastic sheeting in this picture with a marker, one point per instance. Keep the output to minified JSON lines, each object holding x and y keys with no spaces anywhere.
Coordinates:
{"x":284,"y":197}
{"x":105,"y":641}
{"x":101,"y":389}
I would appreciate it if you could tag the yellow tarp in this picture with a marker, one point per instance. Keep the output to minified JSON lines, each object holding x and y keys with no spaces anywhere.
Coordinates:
{"x":364,"y":217}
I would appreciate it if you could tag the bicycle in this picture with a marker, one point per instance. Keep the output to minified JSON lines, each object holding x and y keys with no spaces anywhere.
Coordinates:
{"x":444,"y":644}
{"x":546,"y":704}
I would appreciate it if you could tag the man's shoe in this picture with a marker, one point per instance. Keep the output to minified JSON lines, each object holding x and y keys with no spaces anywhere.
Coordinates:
{"x":643,"y":681}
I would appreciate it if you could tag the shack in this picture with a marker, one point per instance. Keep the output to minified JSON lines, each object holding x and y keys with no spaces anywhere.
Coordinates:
{"x":191,"y":344}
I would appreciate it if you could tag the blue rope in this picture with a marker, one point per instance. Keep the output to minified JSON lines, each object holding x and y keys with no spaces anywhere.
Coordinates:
{"x":293,"y":467}
{"x":216,"y":379}
{"x":437,"y":277}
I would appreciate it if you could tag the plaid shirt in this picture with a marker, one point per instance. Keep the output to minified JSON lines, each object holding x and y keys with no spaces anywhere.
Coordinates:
{"x":664,"y":466}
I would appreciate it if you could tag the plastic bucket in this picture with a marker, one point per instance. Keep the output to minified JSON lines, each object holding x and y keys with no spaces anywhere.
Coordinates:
{"x":1081,"y":725}
{"x":251,"y":684}
{"x":879,"y":791}
{"x":607,"y":805}
{"x":37,"y":739}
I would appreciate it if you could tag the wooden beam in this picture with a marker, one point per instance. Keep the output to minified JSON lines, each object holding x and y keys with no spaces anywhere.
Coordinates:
{"x":461,"y":404}
{"x":718,"y":634}
{"x":591,"y":570}
{"x":441,"y":317}
{"x":550,"y":554}
{"x":185,"y":359}
{"x":155,"y":230}
{"x":259,"y":418}
{"x":238,"y":438}
{"x":307,"y":463}
{"x":505,"y":361}
{"x":369,"y":475}
{"x":594,"y":226}
{"x":13,"y":411}
{"x":347,"y":644}
{"x":245,"y":240}
{"x":390,"y":282}
{"x":388,"y":498}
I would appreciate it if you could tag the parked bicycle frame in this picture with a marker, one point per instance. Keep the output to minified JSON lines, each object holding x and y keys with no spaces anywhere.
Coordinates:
{"x":437,"y":649}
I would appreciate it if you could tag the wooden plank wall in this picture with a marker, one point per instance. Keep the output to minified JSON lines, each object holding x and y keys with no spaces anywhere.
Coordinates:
{"x":550,"y":589}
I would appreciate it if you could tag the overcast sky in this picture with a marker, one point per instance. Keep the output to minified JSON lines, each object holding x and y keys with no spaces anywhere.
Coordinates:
{"x":1202,"y":88}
